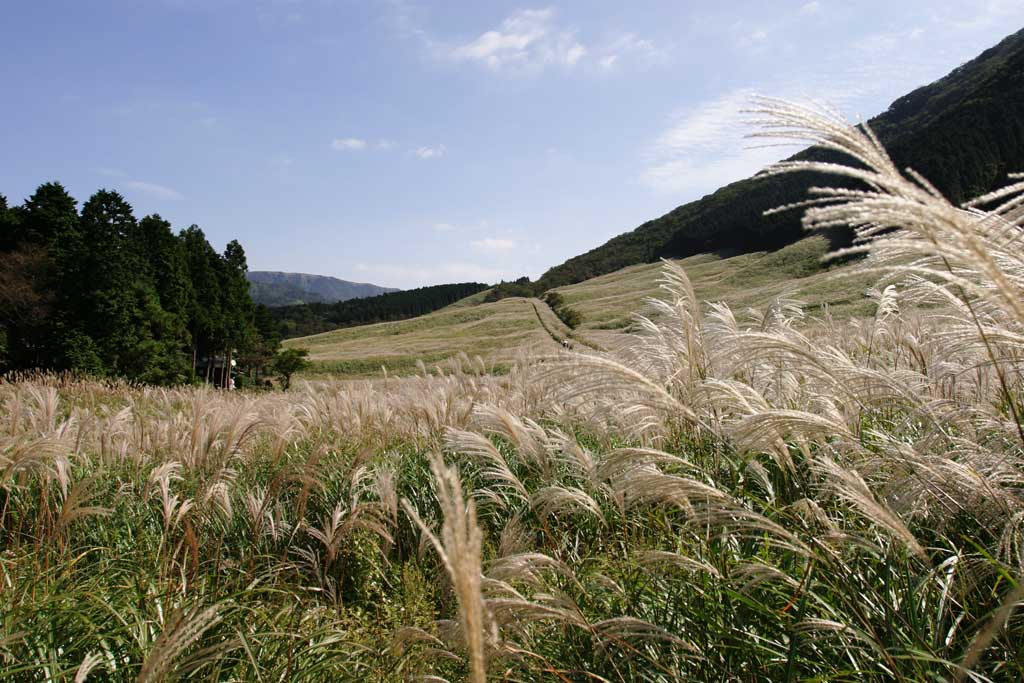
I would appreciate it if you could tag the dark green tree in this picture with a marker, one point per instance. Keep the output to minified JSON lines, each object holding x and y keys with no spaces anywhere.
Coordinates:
{"x":104,"y":294}
{"x":48,"y":221}
{"x":260,"y":354}
{"x":288,"y":362}
{"x":166,"y":261}
{"x":26,"y":306}
{"x":10,"y":229}
{"x":48,"y":217}
{"x":206,"y":316}
{"x":105,"y":305}
{"x":239,"y":330}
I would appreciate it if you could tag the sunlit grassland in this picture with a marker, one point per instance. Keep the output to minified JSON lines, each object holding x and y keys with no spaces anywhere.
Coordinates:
{"x":735,"y":495}
{"x":753,"y":280}
{"x":496,"y":332}
{"x":499,"y":332}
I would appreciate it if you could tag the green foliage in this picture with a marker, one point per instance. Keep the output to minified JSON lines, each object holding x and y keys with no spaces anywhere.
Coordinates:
{"x":307,"y":319}
{"x":288,"y":362}
{"x":103,"y":294}
{"x":570,"y":316}
{"x":503,"y":290}
{"x":554,"y":300}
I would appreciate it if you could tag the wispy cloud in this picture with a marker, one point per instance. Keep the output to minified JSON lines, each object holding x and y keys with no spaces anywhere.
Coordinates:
{"x":443,"y":227}
{"x":809,"y":8}
{"x":494,"y":244}
{"x":703,"y":146}
{"x":343,"y":144}
{"x":527,"y":40}
{"x":630,"y":46}
{"x":154,"y":190}
{"x":429,"y":152}
{"x":384,"y":143}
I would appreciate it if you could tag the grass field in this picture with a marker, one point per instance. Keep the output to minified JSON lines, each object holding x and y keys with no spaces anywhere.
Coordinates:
{"x":608,"y":302}
{"x":731,"y":497}
{"x":501,"y":331}
{"x":497,"y":332}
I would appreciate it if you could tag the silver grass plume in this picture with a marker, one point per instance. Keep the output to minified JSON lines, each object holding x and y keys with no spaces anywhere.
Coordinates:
{"x":460,"y":548}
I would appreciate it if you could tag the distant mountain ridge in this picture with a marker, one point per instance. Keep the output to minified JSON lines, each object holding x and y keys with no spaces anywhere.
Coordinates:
{"x":276,"y":288}
{"x":964,"y":133}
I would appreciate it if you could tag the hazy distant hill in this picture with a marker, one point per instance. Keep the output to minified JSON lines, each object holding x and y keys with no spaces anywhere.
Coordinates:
{"x":964,"y":133}
{"x":282,"y":289}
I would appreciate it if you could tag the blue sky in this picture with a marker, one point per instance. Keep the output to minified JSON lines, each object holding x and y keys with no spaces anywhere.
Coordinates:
{"x":408,"y":143}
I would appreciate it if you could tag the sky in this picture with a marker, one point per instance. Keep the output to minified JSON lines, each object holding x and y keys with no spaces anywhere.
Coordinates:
{"x":408,"y":143}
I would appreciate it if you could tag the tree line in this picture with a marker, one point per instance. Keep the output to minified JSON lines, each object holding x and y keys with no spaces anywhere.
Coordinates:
{"x":313,"y":318}
{"x":102,"y":293}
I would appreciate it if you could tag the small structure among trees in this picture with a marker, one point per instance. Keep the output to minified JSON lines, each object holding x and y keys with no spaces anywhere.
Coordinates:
{"x":99,"y":292}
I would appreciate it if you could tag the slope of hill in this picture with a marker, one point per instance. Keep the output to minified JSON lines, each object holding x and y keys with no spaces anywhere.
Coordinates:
{"x":274,"y":288}
{"x":964,"y":133}
{"x":281,"y":294}
{"x":499,"y":331}
{"x":496,"y":332}
{"x":314,"y":318}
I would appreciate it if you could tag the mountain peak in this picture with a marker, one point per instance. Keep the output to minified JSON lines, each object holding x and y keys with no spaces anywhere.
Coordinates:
{"x":279,"y":288}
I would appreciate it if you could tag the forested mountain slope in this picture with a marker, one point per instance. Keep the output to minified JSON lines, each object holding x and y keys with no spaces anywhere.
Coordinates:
{"x":274,"y":288}
{"x":964,"y":133}
{"x":314,"y":318}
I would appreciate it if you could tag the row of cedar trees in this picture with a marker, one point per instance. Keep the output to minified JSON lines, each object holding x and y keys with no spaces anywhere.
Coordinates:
{"x":100,"y":293}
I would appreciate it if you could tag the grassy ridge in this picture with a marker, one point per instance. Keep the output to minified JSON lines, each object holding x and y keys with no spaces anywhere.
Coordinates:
{"x":499,"y":331}
{"x":313,"y":318}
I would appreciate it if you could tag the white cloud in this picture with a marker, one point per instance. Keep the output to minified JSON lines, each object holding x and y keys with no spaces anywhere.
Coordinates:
{"x":981,"y":14}
{"x":629,"y":46}
{"x":443,"y":227}
{"x":348,"y":143}
{"x":703,"y":128}
{"x":494,"y":244}
{"x":154,"y":190}
{"x":110,"y":172}
{"x":384,"y":143}
{"x":810,"y":8}
{"x":417,"y":276}
{"x":703,"y":147}
{"x":700,"y":176}
{"x":429,"y":152}
{"x":208,"y":121}
{"x":759,"y":35}
{"x":526,"y":40}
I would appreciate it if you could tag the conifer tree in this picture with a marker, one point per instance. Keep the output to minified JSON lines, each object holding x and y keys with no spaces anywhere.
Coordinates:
{"x":206,"y":318}
{"x":239,"y":331}
{"x":49,"y":221}
{"x":105,"y":305}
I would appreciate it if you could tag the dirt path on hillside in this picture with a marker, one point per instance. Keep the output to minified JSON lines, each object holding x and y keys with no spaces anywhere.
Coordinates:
{"x":571,"y":335}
